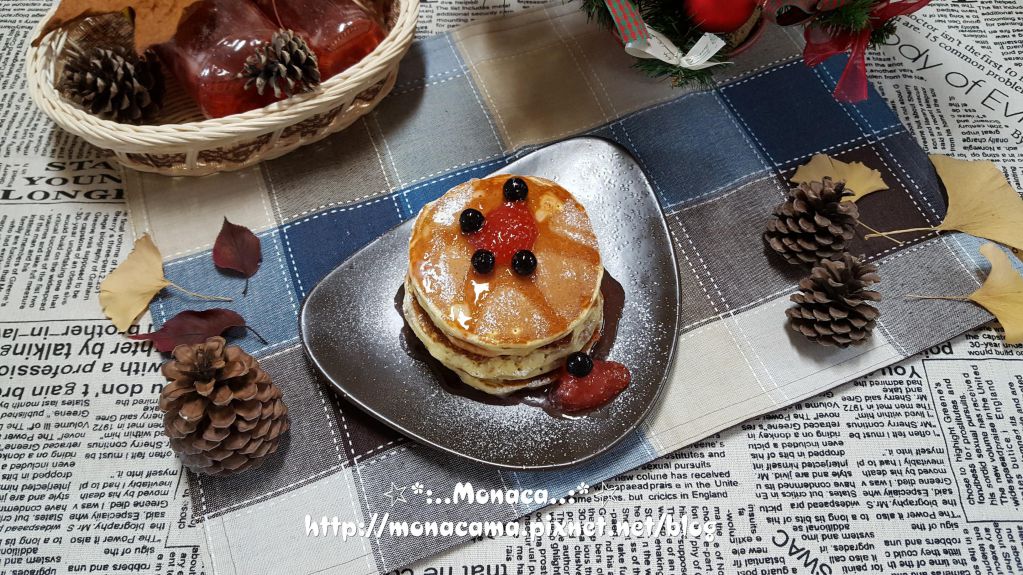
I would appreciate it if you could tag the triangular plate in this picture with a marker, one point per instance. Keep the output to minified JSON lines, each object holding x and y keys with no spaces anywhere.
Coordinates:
{"x":353,"y":331}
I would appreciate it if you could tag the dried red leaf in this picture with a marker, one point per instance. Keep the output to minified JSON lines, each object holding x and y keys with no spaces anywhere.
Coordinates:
{"x":190,"y":327}
{"x":237,"y":249}
{"x":156,"y":21}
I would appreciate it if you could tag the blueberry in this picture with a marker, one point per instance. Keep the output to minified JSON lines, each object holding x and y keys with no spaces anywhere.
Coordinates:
{"x":471,"y":221}
{"x":579,"y":364}
{"x":483,"y":261}
{"x":515,"y":189}
{"x":523,"y":262}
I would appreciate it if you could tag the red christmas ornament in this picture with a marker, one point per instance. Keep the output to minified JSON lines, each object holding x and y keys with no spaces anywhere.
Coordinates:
{"x":719,"y":16}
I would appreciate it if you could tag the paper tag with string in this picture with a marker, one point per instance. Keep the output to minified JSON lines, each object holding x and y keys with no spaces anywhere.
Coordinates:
{"x":641,"y":41}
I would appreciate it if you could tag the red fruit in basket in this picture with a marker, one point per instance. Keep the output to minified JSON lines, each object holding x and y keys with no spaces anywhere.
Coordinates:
{"x":507,"y":230}
{"x":209,"y":50}
{"x":225,"y":55}
{"x":598,"y":387}
{"x":340,"y":32}
{"x":719,"y":16}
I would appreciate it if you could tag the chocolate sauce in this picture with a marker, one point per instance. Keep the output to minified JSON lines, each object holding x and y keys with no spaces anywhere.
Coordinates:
{"x":614,"y":302}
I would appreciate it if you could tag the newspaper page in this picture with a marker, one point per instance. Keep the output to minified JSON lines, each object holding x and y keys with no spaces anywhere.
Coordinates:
{"x":436,"y":16}
{"x":87,"y":482}
{"x":915,"y":468}
{"x":953,"y":72}
{"x":990,"y":24}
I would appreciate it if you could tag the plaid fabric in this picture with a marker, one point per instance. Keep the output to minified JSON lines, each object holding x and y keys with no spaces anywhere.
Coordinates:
{"x":466,"y":104}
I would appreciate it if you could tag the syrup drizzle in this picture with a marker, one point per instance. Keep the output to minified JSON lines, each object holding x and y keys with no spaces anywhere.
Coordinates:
{"x":556,"y":300}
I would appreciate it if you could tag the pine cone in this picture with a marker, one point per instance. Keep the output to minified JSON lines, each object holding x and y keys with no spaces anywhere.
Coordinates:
{"x":832,"y":306}
{"x":114,"y":83}
{"x":223,"y":414}
{"x":285,"y":63}
{"x":813,"y":223}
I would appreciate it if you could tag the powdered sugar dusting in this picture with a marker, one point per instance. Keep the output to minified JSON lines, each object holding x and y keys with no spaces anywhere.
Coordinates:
{"x":364,"y":355}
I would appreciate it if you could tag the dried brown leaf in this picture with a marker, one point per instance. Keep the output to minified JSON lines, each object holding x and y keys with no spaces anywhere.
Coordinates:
{"x":156,"y":21}
{"x":237,"y":249}
{"x":190,"y":327}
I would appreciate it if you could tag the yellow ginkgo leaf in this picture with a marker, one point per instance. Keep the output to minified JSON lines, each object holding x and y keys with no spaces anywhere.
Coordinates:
{"x":127,"y":291}
{"x":858,"y":178}
{"x":980,"y":202}
{"x":1002,"y":293}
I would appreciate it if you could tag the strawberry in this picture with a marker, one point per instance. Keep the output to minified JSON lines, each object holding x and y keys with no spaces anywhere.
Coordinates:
{"x":604,"y":383}
{"x":508,"y":229}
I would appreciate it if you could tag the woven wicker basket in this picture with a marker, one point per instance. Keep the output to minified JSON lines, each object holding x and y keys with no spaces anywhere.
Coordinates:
{"x":186,"y":144}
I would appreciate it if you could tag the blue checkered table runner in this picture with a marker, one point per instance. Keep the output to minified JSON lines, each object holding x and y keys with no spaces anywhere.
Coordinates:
{"x":469,"y":102}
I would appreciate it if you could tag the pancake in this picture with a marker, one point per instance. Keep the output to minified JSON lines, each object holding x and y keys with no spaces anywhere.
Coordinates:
{"x":502,"y":313}
{"x":501,"y":387}
{"x":500,"y":372}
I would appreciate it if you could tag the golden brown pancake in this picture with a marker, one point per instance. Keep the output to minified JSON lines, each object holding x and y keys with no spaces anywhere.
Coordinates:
{"x":502,"y":313}
{"x":501,"y":373}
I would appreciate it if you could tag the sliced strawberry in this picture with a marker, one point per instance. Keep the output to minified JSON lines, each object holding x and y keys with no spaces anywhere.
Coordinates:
{"x":603,"y":384}
{"x":508,"y":229}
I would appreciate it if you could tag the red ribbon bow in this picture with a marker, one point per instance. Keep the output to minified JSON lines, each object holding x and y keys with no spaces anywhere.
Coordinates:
{"x":822,"y":44}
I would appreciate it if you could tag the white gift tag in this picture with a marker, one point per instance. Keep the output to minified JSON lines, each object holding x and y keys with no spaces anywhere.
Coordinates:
{"x":704,"y":49}
{"x":661,"y":48}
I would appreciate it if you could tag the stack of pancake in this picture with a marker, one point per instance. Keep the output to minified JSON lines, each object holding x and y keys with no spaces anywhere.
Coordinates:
{"x":501,"y":331}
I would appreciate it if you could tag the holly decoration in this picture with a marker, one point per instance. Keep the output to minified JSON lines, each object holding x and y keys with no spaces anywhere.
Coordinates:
{"x":832,"y":27}
{"x":666,"y":17}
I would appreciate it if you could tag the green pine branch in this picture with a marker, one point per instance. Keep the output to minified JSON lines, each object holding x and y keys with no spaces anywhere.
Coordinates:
{"x":852,"y":17}
{"x":881,"y":35}
{"x":597,"y":10}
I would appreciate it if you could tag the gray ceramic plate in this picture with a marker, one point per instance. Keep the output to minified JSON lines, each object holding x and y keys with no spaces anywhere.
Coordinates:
{"x":356,"y":337}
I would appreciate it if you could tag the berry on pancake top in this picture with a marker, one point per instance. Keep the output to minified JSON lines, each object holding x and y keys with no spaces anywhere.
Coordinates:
{"x":506,"y":232}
